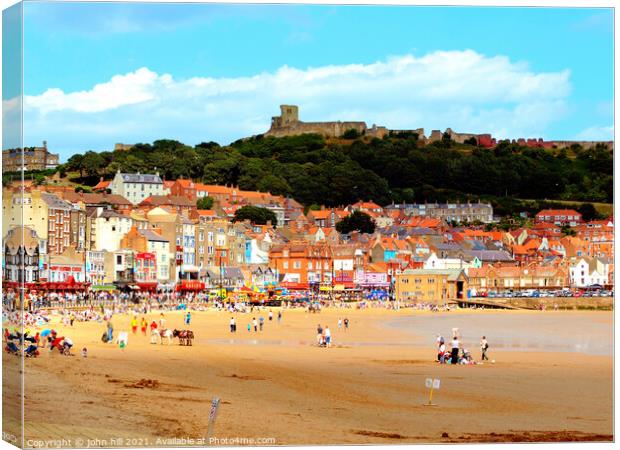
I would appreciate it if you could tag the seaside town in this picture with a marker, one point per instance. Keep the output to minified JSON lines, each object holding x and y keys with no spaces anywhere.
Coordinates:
{"x":165,"y":276}
{"x":260,"y":225}
{"x":141,"y":233}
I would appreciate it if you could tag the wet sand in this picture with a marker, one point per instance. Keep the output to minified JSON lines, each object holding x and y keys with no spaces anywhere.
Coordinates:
{"x":368,"y":388}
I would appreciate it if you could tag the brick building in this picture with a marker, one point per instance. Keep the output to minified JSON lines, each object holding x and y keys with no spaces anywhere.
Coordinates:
{"x":34,"y":158}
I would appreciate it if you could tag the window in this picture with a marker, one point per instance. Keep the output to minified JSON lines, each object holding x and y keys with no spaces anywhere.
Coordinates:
{"x":285,"y":264}
{"x":297,"y":265}
{"x":119,"y":259}
{"x":309,"y":265}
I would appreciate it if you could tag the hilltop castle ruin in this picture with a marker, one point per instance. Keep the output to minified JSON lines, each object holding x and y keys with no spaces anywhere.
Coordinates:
{"x":288,"y":124}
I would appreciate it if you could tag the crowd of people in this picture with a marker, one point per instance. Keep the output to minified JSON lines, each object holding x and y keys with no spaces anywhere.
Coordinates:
{"x":28,"y":345}
{"x":458,"y":353}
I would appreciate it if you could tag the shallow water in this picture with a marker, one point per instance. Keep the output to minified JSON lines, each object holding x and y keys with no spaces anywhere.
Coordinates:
{"x":549,"y":331}
{"x":293,"y":343}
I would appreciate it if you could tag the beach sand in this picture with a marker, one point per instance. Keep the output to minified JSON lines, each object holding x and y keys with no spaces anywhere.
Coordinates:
{"x":277,"y":384}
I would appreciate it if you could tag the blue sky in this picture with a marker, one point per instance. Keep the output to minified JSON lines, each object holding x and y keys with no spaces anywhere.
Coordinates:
{"x":100,"y":73}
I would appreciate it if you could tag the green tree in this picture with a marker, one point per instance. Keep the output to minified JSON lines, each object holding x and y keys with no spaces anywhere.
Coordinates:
{"x":39,"y":180}
{"x":256,"y":215}
{"x":92,"y":163}
{"x":351,"y":133}
{"x":204,"y":203}
{"x":588,"y":212}
{"x":471,"y":141}
{"x":6,"y":180}
{"x":568,"y":231}
{"x":76,"y":162}
{"x":356,"y":221}
{"x":85,"y":189}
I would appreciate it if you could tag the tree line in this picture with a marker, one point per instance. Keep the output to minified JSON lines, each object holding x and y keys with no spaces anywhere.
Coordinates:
{"x":398,"y":169}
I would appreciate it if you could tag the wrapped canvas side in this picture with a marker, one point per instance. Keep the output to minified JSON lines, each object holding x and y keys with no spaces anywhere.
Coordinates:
{"x":14,"y":251}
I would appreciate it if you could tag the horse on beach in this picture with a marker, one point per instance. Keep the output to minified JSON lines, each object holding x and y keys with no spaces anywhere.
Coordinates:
{"x":161,"y":334}
{"x":185,"y":336}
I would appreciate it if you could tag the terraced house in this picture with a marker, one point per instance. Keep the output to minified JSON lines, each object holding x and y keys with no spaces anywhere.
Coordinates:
{"x":136,"y":187}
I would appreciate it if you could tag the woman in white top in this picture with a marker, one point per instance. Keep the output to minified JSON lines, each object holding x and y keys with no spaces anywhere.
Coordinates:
{"x":442,"y":353}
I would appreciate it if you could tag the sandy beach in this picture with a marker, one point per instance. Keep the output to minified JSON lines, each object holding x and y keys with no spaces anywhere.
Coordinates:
{"x":278,"y":387}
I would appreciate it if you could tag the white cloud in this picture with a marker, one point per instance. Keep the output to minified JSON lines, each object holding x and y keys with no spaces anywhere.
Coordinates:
{"x":596,"y":133}
{"x":464,"y":90}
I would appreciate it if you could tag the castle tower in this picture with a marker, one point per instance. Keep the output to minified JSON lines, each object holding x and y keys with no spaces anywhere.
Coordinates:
{"x":289,"y":114}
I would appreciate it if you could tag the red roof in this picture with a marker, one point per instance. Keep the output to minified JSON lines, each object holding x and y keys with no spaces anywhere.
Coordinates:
{"x":558,"y":212}
{"x":101,"y":185}
{"x":185,"y":183}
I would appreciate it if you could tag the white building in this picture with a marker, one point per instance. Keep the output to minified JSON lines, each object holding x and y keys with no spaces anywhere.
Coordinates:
{"x":434,"y":262}
{"x":135,"y":187}
{"x":160,"y":246}
{"x":110,"y":227}
{"x":587,"y":272}
{"x":186,"y":239}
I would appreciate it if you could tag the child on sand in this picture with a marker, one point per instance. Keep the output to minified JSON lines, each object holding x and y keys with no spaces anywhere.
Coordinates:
{"x":319,"y":335}
{"x":143,"y":326}
{"x":255,"y":324}
{"x":134,"y":325}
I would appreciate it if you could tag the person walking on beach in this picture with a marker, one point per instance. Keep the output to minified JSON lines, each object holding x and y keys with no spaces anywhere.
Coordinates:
{"x":72,"y":319}
{"x":484,"y":346}
{"x":143,"y":326}
{"x":134,"y":325}
{"x":255,"y":324}
{"x":319,"y":335}
{"x":279,"y":316}
{"x":233,"y":325}
{"x":328,"y":337}
{"x":270,"y":315}
{"x":162,"y":321}
{"x":188,"y":318}
{"x":346,"y":324}
{"x":454,"y":357}
{"x":110,"y":331}
{"x":261,"y":321}
{"x":339,"y":323}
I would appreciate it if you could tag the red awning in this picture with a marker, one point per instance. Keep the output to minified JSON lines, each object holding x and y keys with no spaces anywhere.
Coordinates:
{"x":148,"y":286}
{"x":190,"y":285}
{"x":294,"y":286}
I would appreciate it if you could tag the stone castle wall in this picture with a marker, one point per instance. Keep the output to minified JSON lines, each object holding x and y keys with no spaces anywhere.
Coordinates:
{"x":288,"y":124}
{"x":328,"y":129}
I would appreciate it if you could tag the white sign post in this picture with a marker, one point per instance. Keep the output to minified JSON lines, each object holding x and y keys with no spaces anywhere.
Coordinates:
{"x":215,"y":403}
{"x":432,"y":384}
